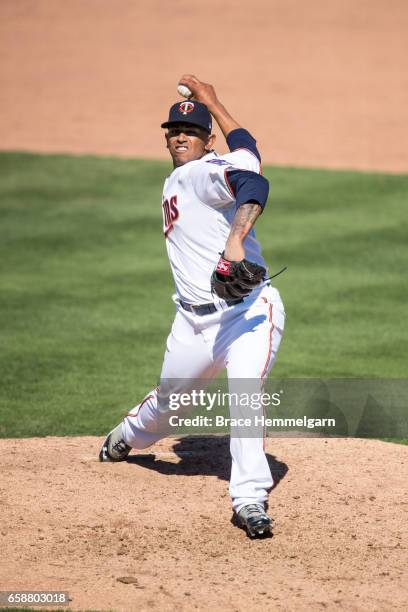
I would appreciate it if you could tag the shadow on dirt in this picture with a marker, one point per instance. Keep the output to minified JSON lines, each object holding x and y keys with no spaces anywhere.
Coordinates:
{"x":201,"y":455}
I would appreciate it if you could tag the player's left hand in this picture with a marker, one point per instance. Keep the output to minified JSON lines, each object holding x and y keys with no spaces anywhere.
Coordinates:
{"x":236,"y":279}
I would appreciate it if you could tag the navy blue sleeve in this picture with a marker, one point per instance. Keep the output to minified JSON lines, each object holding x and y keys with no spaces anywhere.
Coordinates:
{"x":248,"y":186}
{"x":242,"y":139}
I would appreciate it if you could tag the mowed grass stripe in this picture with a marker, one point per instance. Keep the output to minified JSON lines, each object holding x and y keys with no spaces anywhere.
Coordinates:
{"x":86,"y":286}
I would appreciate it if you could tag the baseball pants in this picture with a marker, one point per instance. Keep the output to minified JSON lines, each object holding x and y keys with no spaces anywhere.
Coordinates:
{"x":244,"y":339}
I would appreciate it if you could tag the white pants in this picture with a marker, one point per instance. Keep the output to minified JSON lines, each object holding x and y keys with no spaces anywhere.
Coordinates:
{"x":244,"y":339}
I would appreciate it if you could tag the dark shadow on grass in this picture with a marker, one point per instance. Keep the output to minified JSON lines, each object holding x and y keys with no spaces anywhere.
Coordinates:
{"x":201,"y":455}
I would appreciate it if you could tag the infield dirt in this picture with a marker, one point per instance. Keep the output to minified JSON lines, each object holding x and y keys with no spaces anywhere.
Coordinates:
{"x":319,"y":83}
{"x":161,"y":521}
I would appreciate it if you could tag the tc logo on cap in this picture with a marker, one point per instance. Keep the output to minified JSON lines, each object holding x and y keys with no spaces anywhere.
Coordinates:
{"x":186,"y":107}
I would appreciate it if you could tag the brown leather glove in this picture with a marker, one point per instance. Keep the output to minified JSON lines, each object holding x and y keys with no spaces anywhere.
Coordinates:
{"x":232,"y":280}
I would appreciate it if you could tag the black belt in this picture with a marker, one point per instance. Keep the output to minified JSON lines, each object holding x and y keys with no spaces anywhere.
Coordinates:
{"x":203,"y":309}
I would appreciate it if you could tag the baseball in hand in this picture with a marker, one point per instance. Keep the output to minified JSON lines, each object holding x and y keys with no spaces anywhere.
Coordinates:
{"x":184,"y":91}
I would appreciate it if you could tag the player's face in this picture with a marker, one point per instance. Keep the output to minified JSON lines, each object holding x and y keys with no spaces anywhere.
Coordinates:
{"x":187,"y":143}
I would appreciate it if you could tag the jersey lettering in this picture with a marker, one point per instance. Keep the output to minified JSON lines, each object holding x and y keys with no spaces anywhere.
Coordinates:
{"x":170,"y":214}
{"x":218,"y":162}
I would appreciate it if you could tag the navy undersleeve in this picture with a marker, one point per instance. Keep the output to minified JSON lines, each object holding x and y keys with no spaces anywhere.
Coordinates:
{"x":242,"y":139}
{"x":248,"y":186}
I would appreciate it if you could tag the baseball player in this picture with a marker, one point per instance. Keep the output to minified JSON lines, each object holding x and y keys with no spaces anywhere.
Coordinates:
{"x":227,"y":313}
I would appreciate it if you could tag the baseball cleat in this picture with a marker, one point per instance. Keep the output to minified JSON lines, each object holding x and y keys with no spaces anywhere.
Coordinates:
{"x":114,"y":447}
{"x":255,"y":520}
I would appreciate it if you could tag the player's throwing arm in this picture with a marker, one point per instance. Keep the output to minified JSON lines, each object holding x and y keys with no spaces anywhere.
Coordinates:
{"x":234,"y":276}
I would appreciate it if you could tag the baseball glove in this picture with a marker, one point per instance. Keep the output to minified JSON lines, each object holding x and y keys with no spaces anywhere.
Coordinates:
{"x":232,"y":280}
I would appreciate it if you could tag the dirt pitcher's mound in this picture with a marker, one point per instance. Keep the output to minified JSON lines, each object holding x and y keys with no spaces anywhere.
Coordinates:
{"x":155,"y":532}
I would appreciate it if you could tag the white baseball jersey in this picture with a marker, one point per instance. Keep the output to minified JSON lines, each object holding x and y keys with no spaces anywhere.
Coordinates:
{"x":198,"y":209}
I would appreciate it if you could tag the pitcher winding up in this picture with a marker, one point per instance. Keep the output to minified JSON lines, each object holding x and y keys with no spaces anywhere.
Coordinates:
{"x":228,"y":315}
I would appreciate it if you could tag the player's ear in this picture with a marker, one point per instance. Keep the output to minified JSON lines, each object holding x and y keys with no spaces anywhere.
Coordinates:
{"x":166,"y":138}
{"x":210,"y":142}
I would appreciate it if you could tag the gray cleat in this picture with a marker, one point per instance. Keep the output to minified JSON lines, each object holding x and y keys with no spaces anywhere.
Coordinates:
{"x":114,"y":447}
{"x":254,"y":518}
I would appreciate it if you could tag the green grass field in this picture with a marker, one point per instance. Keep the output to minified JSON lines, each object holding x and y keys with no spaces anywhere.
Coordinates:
{"x":85,"y":292}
